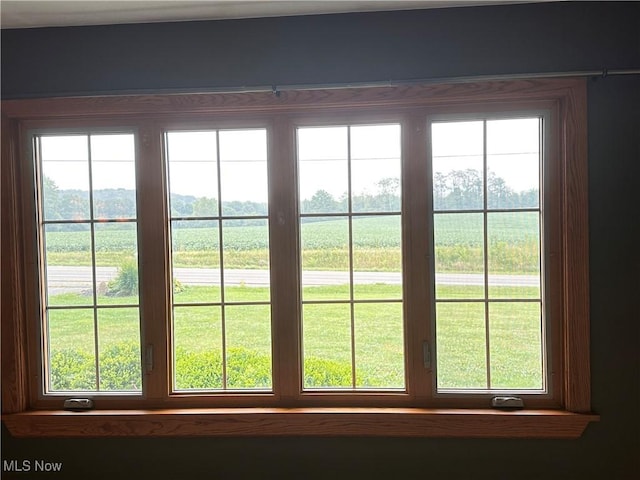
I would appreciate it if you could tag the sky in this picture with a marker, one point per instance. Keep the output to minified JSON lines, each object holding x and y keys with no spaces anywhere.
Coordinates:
{"x":512,"y":149}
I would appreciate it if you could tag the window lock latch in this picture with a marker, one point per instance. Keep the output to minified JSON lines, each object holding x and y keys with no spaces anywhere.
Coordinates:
{"x":426,"y":355}
{"x":148,"y":359}
{"x":78,"y":404}
{"x":507,"y":402}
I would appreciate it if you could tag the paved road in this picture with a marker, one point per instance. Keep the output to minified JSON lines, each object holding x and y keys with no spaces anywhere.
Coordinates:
{"x":78,"y":278}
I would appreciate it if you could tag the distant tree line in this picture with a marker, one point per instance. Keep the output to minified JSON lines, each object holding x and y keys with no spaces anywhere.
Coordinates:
{"x":463,"y":190}
{"x":74,"y":204}
{"x":458,"y":189}
{"x":385,"y":199}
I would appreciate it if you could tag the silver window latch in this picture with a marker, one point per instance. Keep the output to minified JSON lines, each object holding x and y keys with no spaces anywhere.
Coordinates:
{"x":507,"y":402}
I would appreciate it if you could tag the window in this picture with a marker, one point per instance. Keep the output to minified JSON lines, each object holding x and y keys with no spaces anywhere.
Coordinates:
{"x":407,"y":248}
{"x":490,"y":318}
{"x":88,"y":203}
{"x":351,"y":261}
{"x":220,"y":259}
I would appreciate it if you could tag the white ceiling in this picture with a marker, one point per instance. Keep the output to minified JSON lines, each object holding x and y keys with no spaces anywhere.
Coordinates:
{"x":30,"y":14}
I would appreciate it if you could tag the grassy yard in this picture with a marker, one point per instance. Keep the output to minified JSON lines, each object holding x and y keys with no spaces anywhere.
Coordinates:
{"x":514,"y":340}
{"x":335,"y":349}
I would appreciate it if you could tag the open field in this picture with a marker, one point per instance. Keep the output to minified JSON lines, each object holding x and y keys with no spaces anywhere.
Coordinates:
{"x":512,"y":244}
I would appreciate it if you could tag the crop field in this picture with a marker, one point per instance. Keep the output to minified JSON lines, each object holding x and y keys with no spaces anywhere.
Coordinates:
{"x":512,"y":244}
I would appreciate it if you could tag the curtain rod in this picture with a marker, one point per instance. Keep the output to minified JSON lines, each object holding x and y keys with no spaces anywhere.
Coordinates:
{"x":276,"y":89}
{"x":456,"y":79}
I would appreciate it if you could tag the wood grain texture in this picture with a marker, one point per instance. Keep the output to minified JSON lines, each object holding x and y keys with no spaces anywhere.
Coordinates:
{"x":154,"y":259}
{"x":576,"y":252}
{"x":413,"y":105}
{"x":14,"y":367}
{"x":378,"y":422}
{"x":289,"y":101}
{"x":283,"y":240}
{"x":417,"y":287}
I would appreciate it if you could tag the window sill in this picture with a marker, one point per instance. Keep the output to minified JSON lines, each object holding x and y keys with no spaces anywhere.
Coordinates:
{"x":375,"y":422}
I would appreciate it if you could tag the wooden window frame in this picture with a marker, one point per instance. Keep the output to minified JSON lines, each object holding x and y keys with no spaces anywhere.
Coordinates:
{"x":288,"y":411}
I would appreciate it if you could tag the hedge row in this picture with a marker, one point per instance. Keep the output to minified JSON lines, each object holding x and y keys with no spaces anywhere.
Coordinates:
{"x":120,"y":370}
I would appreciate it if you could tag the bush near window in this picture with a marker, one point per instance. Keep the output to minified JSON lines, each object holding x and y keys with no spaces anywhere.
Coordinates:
{"x":74,"y":370}
{"x":126,"y":282}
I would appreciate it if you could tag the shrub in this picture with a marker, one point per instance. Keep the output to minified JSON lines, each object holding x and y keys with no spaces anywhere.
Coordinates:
{"x":72,"y":370}
{"x":248,"y":369}
{"x":126,"y":282}
{"x":326,"y":373}
{"x":178,"y":287}
{"x":198,"y":370}
{"x":203,"y":370}
{"x":120,"y":369}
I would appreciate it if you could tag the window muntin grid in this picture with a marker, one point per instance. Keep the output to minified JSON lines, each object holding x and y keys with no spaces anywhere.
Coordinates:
{"x":89,"y":262}
{"x":487,"y":226}
{"x":564,"y":224}
{"x":351,"y":257}
{"x":221,"y":314}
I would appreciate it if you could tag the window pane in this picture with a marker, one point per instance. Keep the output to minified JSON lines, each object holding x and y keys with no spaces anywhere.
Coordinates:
{"x":196,"y":261}
{"x":248,"y":342}
{"x":91,"y":262}
{"x":192,"y":146}
{"x":119,"y":343}
{"x":69,"y":148}
{"x":515,"y":341}
{"x":461,"y":345}
{"x":457,"y":156}
{"x":113,"y":148}
{"x":377,"y":257}
{"x":513,"y":163}
{"x":327,"y":346}
{"x":509,"y":243}
{"x":379,"y":345}
{"x":69,"y":276}
{"x":375,"y":168}
{"x":246,"y":260}
{"x":197,"y":348}
{"x":459,"y":255}
{"x":243,"y":172}
{"x":220,"y":261}
{"x":513,"y":255}
{"x":72,"y":358}
{"x":113,"y":175}
{"x":193,"y":173}
{"x":371,"y":142}
{"x":65,"y":177}
{"x":325,"y":258}
{"x":352,"y":258}
{"x":323,"y":169}
{"x":116,"y":263}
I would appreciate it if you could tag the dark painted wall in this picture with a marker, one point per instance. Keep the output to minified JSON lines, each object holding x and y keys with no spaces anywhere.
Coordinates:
{"x":374,"y":47}
{"x":320,"y":49}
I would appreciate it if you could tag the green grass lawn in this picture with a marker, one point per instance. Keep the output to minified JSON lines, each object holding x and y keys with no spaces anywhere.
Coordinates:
{"x":335,"y":350}
{"x":514,"y":340}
